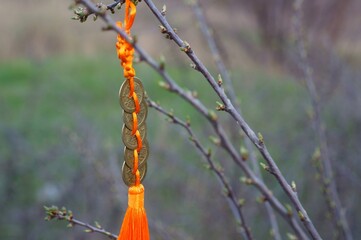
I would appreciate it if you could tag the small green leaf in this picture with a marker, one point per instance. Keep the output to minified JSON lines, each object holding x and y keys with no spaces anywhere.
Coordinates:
{"x":293,"y":186}
{"x":290,"y":236}
{"x":289,"y":209}
{"x":215,"y":140}
{"x":164,"y":10}
{"x":241,"y":202}
{"x":301,"y":216}
{"x":220,"y":80}
{"x":264,"y":166}
{"x":212,"y":114}
{"x":97,"y":224}
{"x":244,"y":153}
{"x":260,"y":138}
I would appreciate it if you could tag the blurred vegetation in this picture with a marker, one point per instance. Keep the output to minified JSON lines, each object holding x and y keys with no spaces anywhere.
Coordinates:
{"x":60,"y":142}
{"x":60,"y":126}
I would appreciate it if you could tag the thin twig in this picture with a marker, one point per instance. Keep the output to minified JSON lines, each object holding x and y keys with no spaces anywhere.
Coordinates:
{"x":216,"y":53}
{"x":116,"y":3}
{"x":229,"y":193}
{"x":197,"y":104}
{"x":324,"y":167}
{"x":82,"y":14}
{"x":66,"y":215}
{"x":229,"y":107}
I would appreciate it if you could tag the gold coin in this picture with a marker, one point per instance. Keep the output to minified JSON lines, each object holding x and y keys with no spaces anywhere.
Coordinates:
{"x":126,"y":102}
{"x":142,"y":155}
{"x":129,"y":177}
{"x":141,"y":116}
{"x":129,"y":140}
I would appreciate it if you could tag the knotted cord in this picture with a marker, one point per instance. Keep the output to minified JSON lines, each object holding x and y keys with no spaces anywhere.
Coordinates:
{"x":135,"y":224}
{"x":125,"y":53}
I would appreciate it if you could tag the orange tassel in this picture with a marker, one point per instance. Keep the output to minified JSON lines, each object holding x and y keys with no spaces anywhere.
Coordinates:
{"x":135,"y":223}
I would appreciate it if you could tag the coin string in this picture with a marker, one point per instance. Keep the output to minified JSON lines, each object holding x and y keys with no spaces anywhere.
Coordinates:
{"x":131,"y":95}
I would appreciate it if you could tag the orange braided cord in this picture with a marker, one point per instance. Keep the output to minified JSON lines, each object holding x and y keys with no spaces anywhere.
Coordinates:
{"x":139,"y":140}
{"x":135,"y":223}
{"x":131,"y":87}
{"x":136,"y":101}
{"x":135,"y":123}
{"x":135,"y":168}
{"x":129,"y":16}
{"x":136,"y":161}
{"x":125,"y":52}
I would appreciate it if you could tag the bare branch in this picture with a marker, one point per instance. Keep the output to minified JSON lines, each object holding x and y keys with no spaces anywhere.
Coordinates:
{"x":209,"y":37}
{"x":67,"y":215}
{"x":82,"y":14}
{"x":197,"y":104}
{"x":235,"y":204}
{"x":216,"y":53}
{"x":229,"y":107}
{"x":322,"y":157}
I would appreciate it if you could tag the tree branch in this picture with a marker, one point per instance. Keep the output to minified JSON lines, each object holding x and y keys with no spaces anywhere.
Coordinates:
{"x":82,"y":14}
{"x":225,"y":143}
{"x":229,"y":107}
{"x":322,"y":157}
{"x":67,"y":215}
{"x":235,"y":204}
{"x":216,"y":53}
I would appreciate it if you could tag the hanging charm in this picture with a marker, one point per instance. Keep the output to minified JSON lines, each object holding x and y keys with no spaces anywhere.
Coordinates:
{"x":136,"y":150}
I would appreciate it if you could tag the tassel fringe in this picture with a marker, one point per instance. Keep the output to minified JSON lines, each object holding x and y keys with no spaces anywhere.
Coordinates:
{"x":135,"y":223}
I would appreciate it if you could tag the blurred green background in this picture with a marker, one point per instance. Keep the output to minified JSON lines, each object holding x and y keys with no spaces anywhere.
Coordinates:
{"x":60,"y":122}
